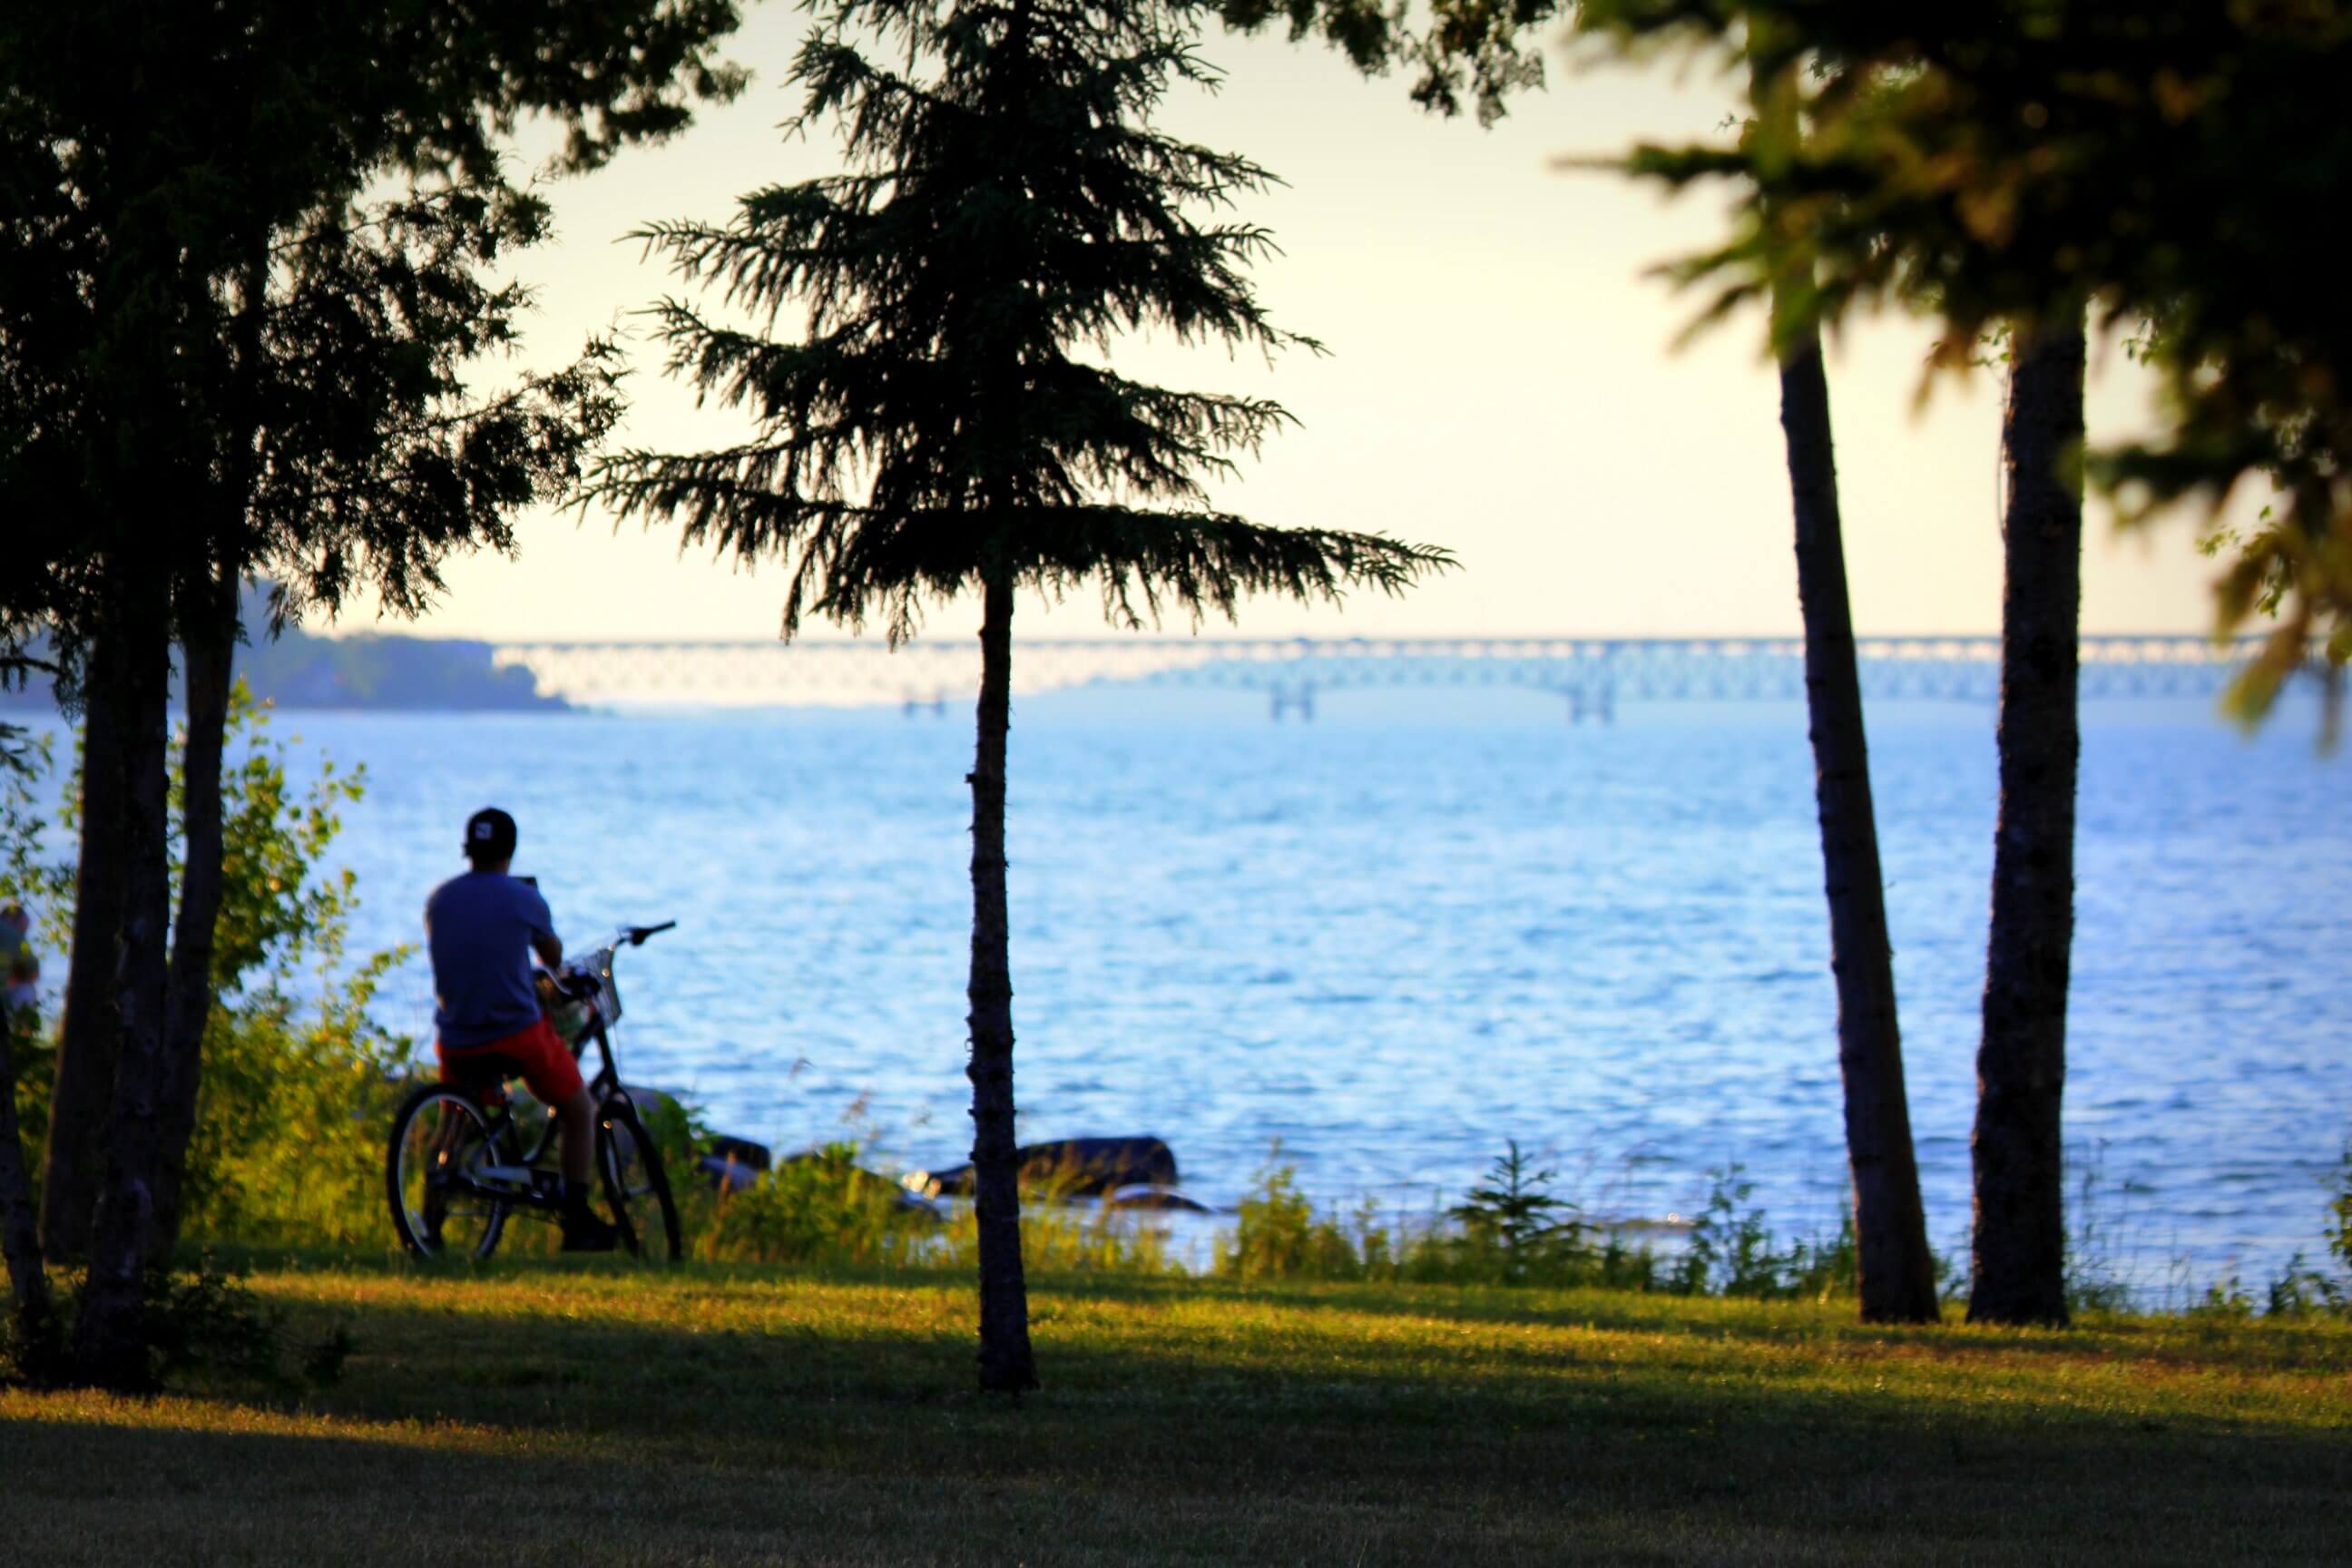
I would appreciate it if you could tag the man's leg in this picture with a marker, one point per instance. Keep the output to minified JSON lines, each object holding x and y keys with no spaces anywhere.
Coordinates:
{"x":579,"y":1140}
{"x":554,"y":1077}
{"x":583,"y":1230}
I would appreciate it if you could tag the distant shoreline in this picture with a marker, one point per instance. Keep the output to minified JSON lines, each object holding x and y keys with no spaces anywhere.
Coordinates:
{"x":364,"y":672}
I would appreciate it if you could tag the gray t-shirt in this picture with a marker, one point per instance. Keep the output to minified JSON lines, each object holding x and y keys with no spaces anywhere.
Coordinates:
{"x":479,"y":928}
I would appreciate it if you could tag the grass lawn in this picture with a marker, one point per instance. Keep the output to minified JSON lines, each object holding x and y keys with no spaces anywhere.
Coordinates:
{"x":536,"y":1414}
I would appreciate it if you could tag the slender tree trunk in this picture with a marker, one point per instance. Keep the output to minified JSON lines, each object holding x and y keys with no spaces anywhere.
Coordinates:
{"x":1006,"y":1361}
{"x":1898,"y":1270}
{"x":2019,"y":1256}
{"x":20,"y":1237}
{"x":209,"y":643}
{"x":76,"y":1150}
{"x":109,"y":1346}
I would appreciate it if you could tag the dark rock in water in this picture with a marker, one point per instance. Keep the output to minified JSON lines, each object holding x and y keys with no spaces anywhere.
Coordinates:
{"x":1072,"y":1167}
{"x":1163,"y":1198}
{"x":739,"y":1151}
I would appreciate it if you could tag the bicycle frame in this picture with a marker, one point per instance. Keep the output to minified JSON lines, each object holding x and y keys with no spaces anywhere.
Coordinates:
{"x":530,"y":1186}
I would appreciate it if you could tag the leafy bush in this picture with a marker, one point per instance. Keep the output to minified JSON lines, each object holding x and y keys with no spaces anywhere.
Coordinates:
{"x":1277,"y":1236}
{"x":297,"y":1079}
{"x":1510,"y":1230}
{"x":820,"y":1208}
{"x":824,"y":1209}
{"x":1732,"y":1251}
{"x":204,"y":1317}
{"x":26,"y":878}
{"x":199,"y":1318}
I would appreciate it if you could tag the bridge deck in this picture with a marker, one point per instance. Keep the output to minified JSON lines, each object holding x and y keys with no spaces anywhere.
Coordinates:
{"x":1592,"y":674}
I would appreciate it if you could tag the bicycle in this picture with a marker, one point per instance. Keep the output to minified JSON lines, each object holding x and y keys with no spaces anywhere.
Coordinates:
{"x":461,"y":1163}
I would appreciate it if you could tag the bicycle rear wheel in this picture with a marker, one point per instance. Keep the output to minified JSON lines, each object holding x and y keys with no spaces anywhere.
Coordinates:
{"x":635,"y":1185}
{"x":442,"y":1145}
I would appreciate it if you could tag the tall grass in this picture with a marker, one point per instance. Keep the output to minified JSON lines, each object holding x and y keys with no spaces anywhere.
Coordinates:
{"x":1511,"y":1229}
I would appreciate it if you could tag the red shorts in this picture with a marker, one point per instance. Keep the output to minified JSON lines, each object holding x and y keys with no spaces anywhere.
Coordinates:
{"x":537,"y":1055}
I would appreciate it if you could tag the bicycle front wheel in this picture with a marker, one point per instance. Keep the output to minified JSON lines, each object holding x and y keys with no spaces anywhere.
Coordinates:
{"x":635,"y":1185}
{"x":440,"y":1175}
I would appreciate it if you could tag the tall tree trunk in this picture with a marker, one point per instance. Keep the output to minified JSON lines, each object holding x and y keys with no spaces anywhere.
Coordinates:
{"x":1007,"y":1361}
{"x":209,"y":641}
{"x":1898,"y":1270}
{"x":20,"y":1236}
{"x":110,"y":1345}
{"x":75,"y":1153}
{"x":2018,"y":1261}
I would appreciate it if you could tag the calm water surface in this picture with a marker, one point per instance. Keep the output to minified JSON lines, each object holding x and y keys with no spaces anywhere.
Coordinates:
{"x":1395,"y":937}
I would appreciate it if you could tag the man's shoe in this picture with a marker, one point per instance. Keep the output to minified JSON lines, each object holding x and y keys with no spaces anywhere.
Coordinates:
{"x":584,"y":1232}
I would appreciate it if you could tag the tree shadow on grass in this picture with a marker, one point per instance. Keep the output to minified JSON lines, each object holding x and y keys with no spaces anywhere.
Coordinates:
{"x":1142,"y":1462}
{"x":1199,"y":1392}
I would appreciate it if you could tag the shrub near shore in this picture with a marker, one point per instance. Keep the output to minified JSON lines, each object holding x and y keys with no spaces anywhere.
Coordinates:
{"x":298,"y":1078}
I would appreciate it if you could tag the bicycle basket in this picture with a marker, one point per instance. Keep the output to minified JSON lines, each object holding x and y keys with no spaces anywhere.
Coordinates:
{"x":599,"y":964}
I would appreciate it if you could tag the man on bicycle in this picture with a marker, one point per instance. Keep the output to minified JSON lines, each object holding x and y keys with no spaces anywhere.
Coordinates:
{"x":481,"y":929}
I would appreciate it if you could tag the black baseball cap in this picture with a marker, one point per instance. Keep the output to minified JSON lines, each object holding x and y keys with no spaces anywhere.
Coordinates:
{"x":489,"y":836}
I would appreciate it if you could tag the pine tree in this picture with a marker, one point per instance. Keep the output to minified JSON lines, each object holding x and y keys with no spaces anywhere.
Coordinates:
{"x":945,"y":422}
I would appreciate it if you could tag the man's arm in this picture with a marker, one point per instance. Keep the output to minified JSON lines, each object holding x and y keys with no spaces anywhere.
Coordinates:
{"x":543,"y":939}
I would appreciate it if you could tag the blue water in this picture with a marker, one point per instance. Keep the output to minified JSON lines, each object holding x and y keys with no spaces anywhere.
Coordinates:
{"x":1397,"y":936}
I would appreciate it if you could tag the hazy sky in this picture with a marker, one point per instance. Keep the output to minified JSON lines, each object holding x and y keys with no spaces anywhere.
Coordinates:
{"x":1502,"y":381}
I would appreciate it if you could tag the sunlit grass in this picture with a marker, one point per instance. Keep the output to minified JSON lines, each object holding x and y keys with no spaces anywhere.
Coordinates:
{"x":591,"y":1414}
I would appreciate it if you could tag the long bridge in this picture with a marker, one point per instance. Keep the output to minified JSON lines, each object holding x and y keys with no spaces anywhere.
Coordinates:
{"x":1589,"y":675}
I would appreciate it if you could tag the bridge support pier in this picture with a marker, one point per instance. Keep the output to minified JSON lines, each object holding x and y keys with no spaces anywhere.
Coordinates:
{"x":1298,"y":699}
{"x":1600,"y":701}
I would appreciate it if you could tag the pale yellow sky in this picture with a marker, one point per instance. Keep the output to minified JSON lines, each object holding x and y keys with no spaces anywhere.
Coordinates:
{"x":1502,"y":382}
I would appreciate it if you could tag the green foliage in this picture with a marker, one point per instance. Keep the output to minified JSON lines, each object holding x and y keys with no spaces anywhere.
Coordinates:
{"x":1276,"y":1235}
{"x":296,"y":1073}
{"x":1503,"y":1233}
{"x":2159,"y":164}
{"x":269,"y":270}
{"x":948,"y":417}
{"x":825,"y":1210}
{"x":2339,"y":1211}
{"x":2224,"y":1301}
{"x":45,"y":890}
{"x":1732,"y":1251}
{"x":2098,"y":1278}
{"x":201,"y":1319}
{"x":297,"y":1077}
{"x":819,"y":1208}
{"x":1514,"y":1216}
{"x":2300,"y":1291}
{"x":204,"y":1318}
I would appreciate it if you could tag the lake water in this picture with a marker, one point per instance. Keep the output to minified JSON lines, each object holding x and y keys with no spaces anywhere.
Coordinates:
{"x":1395,"y":937}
